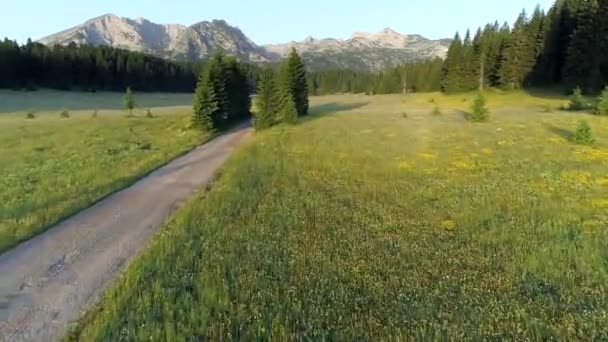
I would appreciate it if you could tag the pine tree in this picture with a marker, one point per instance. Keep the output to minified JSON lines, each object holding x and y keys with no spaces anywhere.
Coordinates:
{"x":237,"y":89}
{"x":129,"y":101}
{"x":205,"y":103}
{"x":582,"y":65}
{"x":602,"y":32}
{"x":602,"y":103}
{"x":289,"y":112}
{"x":218,"y":79}
{"x":267,"y":101}
{"x":453,"y":68}
{"x":292,"y":79}
{"x":479,"y":110}
{"x":518,"y":57}
{"x":583,"y":134}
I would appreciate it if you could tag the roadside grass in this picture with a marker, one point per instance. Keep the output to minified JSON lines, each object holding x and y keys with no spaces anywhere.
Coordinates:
{"x":356,"y":224}
{"x":52,"y":166}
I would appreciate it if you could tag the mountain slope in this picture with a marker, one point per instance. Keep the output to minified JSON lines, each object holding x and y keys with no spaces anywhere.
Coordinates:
{"x":367,"y":51}
{"x":169,"y":41}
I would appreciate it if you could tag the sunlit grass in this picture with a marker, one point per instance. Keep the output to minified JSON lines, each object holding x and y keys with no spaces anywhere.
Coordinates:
{"x":52,"y":166}
{"x":362,"y":224}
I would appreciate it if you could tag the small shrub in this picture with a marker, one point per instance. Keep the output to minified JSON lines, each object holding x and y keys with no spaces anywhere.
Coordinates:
{"x":602,"y":103}
{"x":464,"y":99}
{"x":583,"y":134}
{"x":546,"y":108}
{"x":30,"y":115}
{"x":577,"y":101}
{"x":436,"y":111}
{"x":432,"y":100}
{"x":65,"y":114}
{"x":149,"y":113}
{"x":404,"y":115}
{"x":129,"y":102}
{"x":479,"y":110}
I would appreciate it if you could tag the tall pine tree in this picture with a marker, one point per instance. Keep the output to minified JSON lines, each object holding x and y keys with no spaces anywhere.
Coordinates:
{"x":453,"y":67}
{"x":293,"y":82}
{"x":268,"y":102}
{"x":582,"y":65}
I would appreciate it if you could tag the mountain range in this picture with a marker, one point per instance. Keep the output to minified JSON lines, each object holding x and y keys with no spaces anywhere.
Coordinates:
{"x":363,"y":51}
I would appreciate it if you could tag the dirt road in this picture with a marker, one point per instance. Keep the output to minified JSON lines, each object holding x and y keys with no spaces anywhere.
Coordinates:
{"x":46,"y":282}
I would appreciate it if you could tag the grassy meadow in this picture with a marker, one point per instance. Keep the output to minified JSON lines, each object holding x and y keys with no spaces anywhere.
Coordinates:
{"x":53,"y":166}
{"x":375,"y":219}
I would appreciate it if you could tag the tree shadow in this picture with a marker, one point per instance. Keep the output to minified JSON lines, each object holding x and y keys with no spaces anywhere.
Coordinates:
{"x":550,"y":93}
{"x":562,"y":132}
{"x":333,"y":107}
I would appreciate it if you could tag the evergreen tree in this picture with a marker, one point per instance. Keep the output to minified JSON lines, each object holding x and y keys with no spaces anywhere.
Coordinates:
{"x":289,"y":112}
{"x":602,"y":32}
{"x":293,"y":81}
{"x":518,"y":57}
{"x":582,"y":65}
{"x":217,"y":78}
{"x":129,"y":101}
{"x":602,"y":103}
{"x":238,"y":90}
{"x":268,"y":102}
{"x":453,"y":68}
{"x":479,"y":111}
{"x":205,"y":103}
{"x":583,"y":134}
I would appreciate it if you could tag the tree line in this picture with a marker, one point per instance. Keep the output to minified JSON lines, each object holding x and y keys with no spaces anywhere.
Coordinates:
{"x":565,"y":46}
{"x":424,"y":76}
{"x":90,"y":68}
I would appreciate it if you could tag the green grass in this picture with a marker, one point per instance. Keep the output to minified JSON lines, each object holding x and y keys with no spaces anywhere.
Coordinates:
{"x":359,"y":225}
{"x":53,"y":166}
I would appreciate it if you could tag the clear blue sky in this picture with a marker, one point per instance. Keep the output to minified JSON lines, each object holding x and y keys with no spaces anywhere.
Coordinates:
{"x":270,"y":21}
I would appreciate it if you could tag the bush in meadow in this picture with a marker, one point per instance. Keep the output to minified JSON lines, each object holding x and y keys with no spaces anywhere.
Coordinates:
{"x":577,"y":101}
{"x":583,"y":134}
{"x":602,"y":104}
{"x":479,"y":110}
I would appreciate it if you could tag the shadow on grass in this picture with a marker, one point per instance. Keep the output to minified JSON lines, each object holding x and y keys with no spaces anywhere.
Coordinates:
{"x":328,"y":108}
{"x":562,"y":132}
{"x":551,"y":93}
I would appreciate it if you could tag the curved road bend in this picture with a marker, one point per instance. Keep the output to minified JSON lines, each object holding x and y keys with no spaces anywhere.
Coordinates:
{"x":46,"y":282}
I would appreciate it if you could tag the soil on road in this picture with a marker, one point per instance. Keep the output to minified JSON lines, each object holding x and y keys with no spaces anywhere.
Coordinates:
{"x":47,"y":282}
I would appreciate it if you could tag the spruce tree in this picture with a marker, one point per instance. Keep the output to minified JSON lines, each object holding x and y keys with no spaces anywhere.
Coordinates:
{"x":216,"y":76}
{"x":602,"y":32}
{"x":268,"y":102}
{"x":453,"y":67}
{"x":583,"y":134}
{"x":129,"y":101}
{"x":238,"y":90}
{"x":518,"y":57}
{"x":582,"y":64}
{"x":292,"y":79}
{"x":602,"y":103}
{"x":289,"y":112}
{"x":479,"y":110}
{"x":205,"y":104}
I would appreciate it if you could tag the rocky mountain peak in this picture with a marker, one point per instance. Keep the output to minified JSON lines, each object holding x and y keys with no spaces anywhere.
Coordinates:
{"x":179,"y":42}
